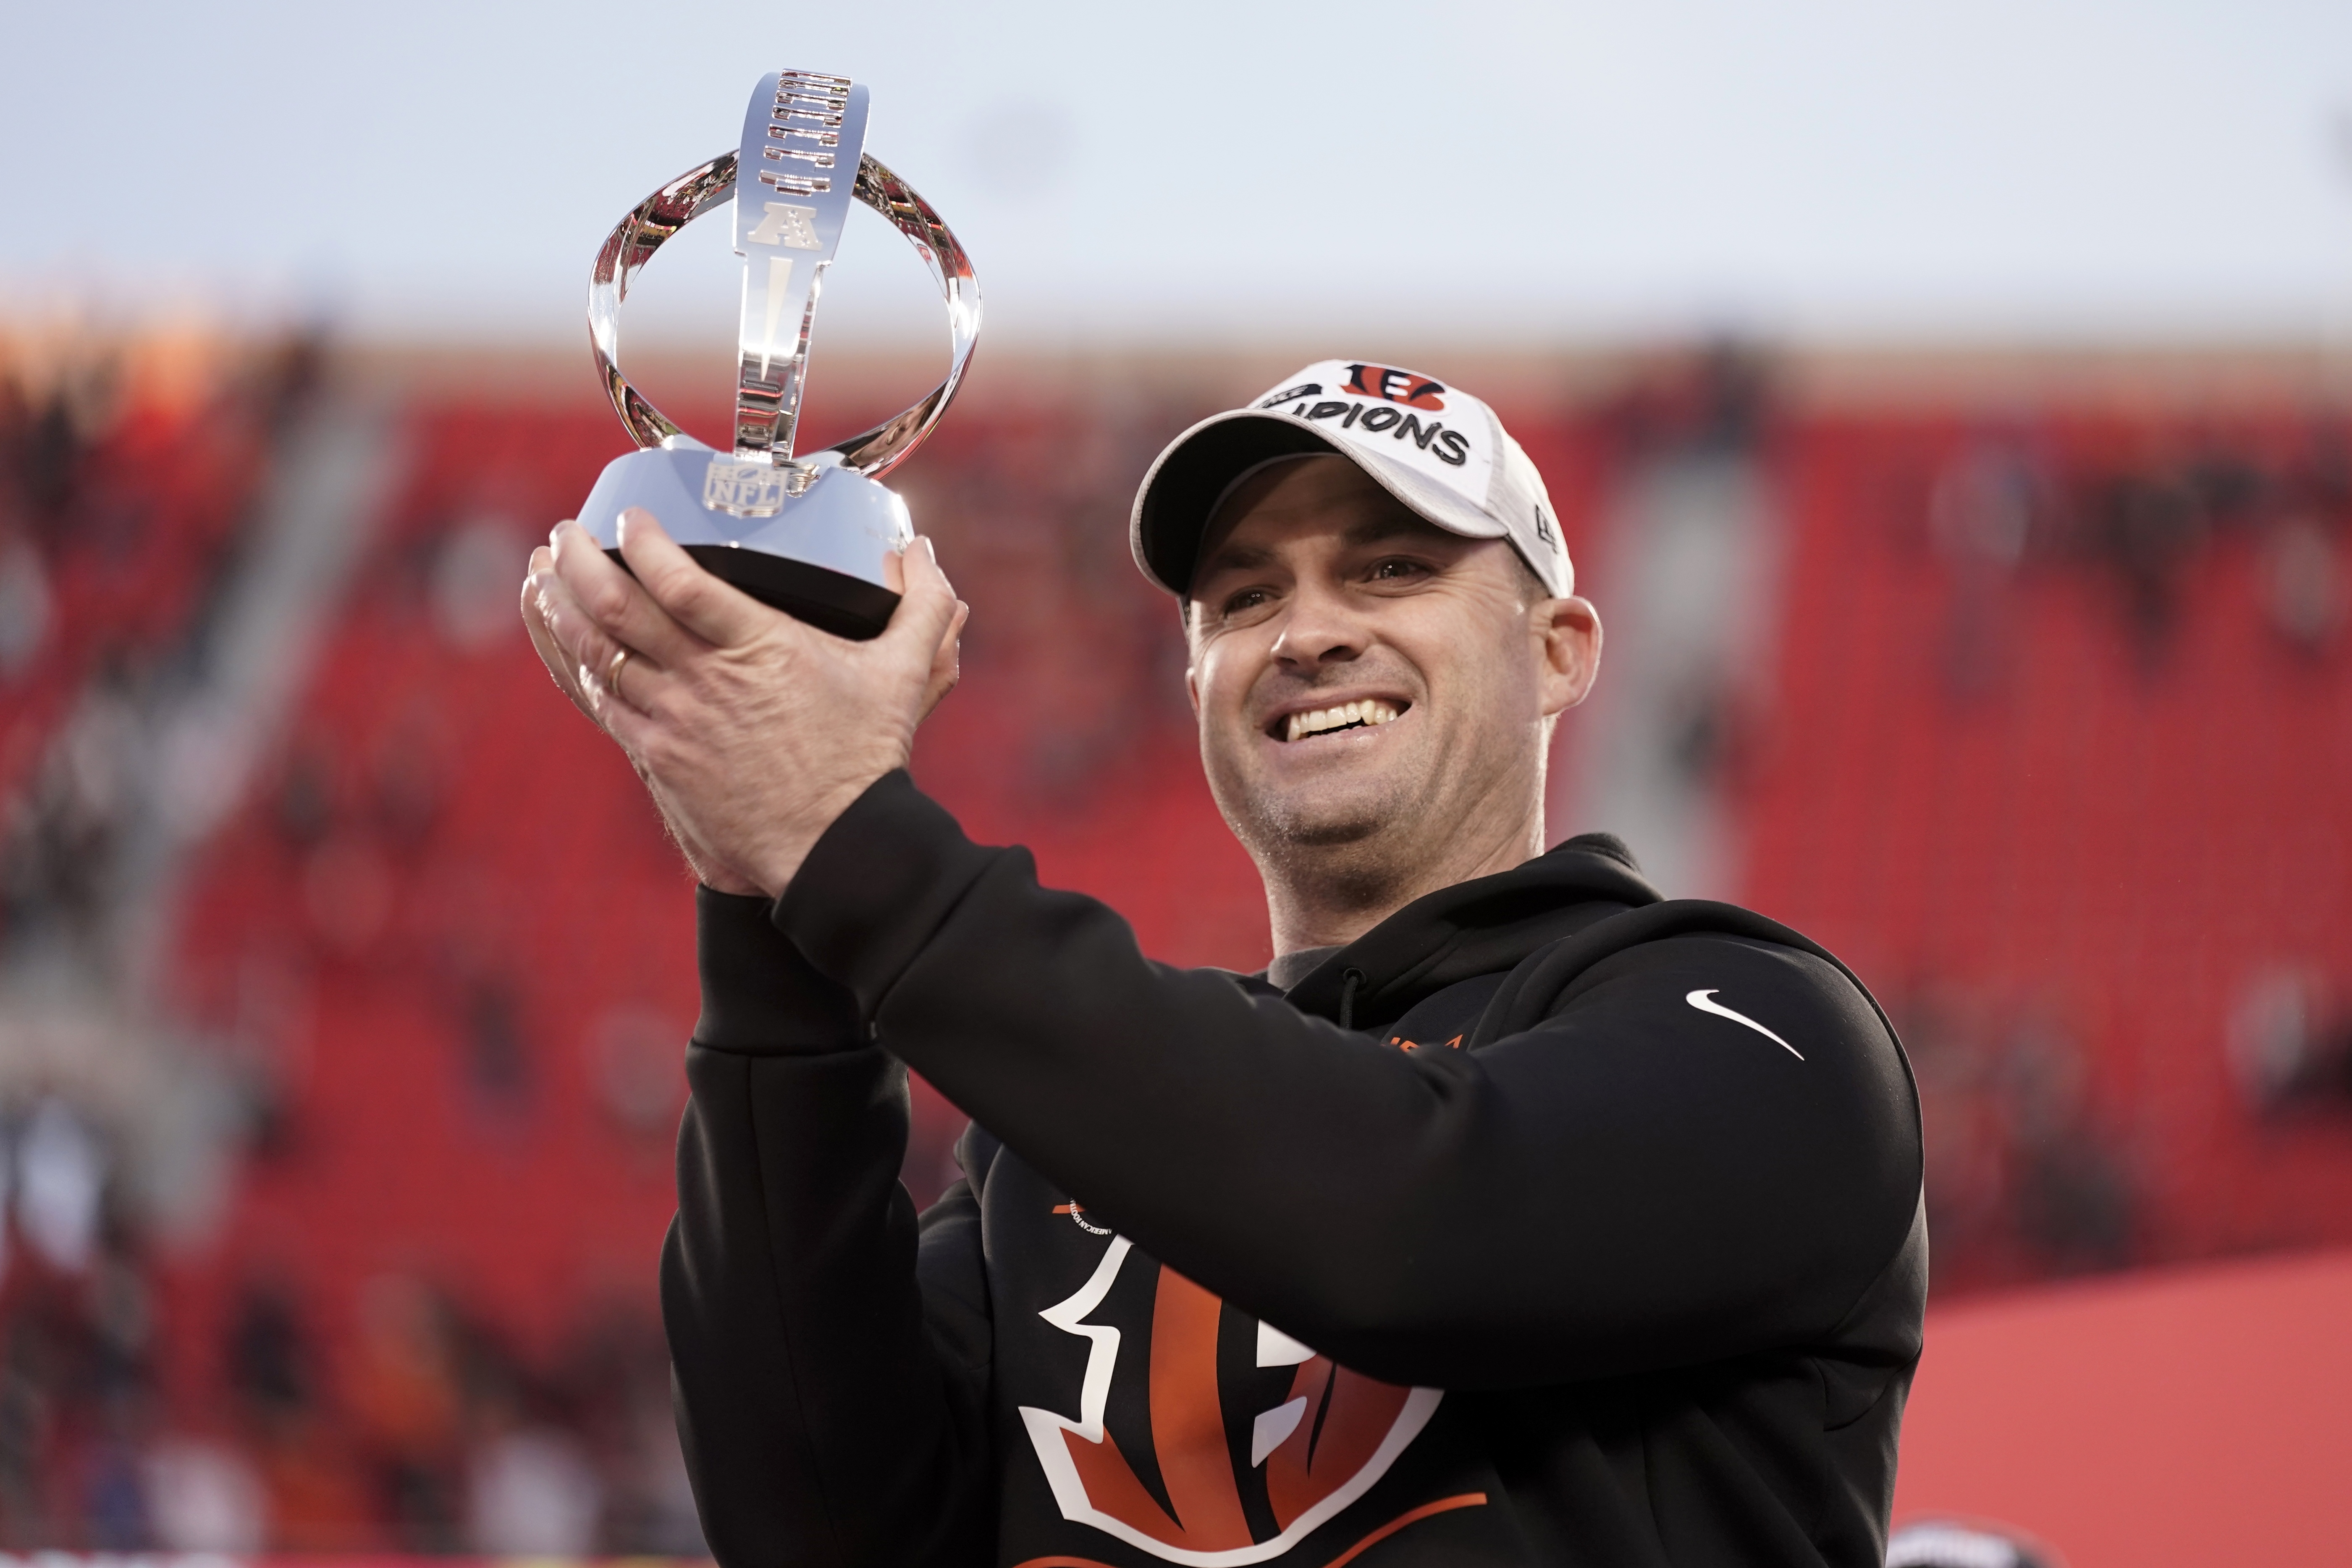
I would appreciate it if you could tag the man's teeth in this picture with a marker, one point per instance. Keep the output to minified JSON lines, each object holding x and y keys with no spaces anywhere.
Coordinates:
{"x":1371,"y":711}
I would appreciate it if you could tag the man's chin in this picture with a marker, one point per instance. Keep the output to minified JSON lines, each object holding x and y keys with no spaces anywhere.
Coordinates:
{"x":1324,"y":818}
{"x":1333,"y":808}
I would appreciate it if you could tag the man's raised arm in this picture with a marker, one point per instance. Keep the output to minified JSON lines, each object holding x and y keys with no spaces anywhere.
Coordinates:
{"x":1633,"y":1183}
{"x":831,"y":1365}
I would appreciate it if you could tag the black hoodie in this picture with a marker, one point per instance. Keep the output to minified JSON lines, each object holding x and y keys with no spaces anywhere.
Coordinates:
{"x":1549,"y":1223}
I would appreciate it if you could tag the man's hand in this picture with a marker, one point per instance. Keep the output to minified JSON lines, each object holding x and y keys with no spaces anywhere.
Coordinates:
{"x":540,"y":592}
{"x":752,"y":729}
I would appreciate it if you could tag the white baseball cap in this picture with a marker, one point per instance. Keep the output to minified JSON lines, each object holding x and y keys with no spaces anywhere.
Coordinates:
{"x":1434,"y":447}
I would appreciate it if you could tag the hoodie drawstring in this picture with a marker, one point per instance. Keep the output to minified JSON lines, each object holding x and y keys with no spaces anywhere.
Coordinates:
{"x":1348,"y":980}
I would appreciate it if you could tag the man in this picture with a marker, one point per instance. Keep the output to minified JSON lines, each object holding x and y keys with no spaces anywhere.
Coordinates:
{"x":1514,"y":1215}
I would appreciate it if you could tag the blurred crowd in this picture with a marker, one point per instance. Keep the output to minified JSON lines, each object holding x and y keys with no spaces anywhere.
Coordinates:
{"x":2008,"y":504}
{"x":438,"y":1436}
{"x":129,"y":485}
{"x":234,"y":1404}
{"x":125,"y":504}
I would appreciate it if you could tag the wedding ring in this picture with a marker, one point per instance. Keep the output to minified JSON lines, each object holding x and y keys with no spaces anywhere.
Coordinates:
{"x":613,"y":673}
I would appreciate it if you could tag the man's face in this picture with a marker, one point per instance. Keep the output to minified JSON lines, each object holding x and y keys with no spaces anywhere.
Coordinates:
{"x":1318,"y":590}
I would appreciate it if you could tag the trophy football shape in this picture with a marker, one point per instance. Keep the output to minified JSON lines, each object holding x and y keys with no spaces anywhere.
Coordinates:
{"x":807,"y":535}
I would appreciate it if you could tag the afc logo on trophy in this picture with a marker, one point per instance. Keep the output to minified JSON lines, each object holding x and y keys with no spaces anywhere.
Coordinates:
{"x":788,"y":225}
{"x":743,"y":489}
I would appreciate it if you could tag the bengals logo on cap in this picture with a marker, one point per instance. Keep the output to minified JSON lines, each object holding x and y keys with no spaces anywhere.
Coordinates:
{"x":1394,"y":385}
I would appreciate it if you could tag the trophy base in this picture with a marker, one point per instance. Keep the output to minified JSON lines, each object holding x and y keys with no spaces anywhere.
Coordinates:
{"x":817,"y":556}
{"x":832,"y":601}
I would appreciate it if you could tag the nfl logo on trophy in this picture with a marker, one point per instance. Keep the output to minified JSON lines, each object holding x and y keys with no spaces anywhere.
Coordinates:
{"x":743,"y":489}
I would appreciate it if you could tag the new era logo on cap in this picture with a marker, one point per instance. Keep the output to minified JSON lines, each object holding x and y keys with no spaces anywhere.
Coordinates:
{"x":1434,"y":447}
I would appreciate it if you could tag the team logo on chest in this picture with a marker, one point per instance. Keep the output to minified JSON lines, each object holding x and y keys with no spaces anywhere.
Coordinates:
{"x":1313,"y":1453}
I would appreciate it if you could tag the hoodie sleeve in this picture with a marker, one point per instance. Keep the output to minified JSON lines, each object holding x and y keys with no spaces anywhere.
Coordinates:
{"x":829,"y":1353}
{"x":1709,"y":1146}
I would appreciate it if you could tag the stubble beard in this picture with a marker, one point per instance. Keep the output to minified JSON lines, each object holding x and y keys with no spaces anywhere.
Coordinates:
{"x":1348,"y":847}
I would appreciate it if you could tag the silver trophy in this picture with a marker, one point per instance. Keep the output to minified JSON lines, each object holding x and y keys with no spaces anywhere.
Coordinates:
{"x":808,"y":535}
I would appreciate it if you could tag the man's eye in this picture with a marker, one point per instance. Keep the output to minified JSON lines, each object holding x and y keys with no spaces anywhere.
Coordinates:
{"x":1393,"y":570}
{"x":1246,"y":600}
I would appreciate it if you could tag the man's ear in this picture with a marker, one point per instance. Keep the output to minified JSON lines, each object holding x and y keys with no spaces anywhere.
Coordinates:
{"x":1569,"y":634}
{"x":1190,"y":618}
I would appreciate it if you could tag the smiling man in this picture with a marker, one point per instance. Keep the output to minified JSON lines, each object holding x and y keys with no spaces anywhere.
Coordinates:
{"x":1514,"y":1215}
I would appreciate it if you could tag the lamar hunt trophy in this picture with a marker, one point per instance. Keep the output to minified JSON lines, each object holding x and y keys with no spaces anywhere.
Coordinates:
{"x":806,"y":535}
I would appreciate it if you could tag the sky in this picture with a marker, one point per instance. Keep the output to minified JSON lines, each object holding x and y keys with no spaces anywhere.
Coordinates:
{"x":1218,"y":172}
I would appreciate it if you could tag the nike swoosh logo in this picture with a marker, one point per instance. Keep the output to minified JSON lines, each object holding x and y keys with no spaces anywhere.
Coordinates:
{"x":1706,"y":1002}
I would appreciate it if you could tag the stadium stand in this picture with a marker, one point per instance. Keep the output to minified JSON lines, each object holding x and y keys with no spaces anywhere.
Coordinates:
{"x":121,"y":508}
{"x":2057,"y":762}
{"x":2051,"y":746}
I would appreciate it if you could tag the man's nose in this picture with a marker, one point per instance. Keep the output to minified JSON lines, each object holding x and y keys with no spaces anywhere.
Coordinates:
{"x":1321,"y":627}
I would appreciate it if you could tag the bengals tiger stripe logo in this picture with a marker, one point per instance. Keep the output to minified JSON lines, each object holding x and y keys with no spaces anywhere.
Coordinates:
{"x":1323,"y":1447}
{"x":1394,"y":386}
